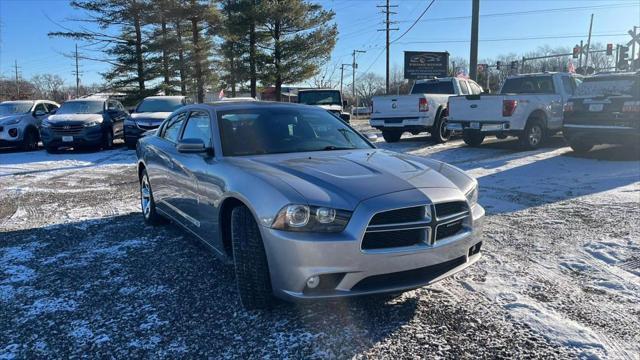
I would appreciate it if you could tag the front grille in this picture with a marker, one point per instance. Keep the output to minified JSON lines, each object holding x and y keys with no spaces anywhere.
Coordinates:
{"x":67,"y":129}
{"x":409,"y":278}
{"x":398,"y":216}
{"x":449,"y":229}
{"x":391,"y":239}
{"x":444,"y":210}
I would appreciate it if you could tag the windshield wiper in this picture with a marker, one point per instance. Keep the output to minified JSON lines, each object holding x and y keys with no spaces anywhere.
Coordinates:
{"x":332,"y":147}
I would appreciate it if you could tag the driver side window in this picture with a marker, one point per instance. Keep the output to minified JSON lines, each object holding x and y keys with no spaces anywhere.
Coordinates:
{"x":40,"y":110}
{"x":171,"y":131}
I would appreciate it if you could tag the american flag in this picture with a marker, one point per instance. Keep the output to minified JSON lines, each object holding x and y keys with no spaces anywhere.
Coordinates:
{"x":571,"y":68}
{"x":221,"y":94}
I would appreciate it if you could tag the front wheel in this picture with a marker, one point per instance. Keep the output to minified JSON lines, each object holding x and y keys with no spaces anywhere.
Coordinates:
{"x":30,"y":141}
{"x":439,"y":132}
{"x":391,"y":136}
{"x":147,"y":203}
{"x":473,"y":138}
{"x":250,"y":261}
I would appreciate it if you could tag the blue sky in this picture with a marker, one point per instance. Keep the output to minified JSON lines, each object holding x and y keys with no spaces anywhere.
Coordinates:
{"x":445,"y":27}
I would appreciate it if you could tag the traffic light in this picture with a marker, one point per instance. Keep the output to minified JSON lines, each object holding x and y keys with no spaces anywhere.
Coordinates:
{"x":514,"y":65}
{"x":576,"y":51}
{"x":498,"y":65}
{"x":609,"y":49}
{"x":623,"y":52}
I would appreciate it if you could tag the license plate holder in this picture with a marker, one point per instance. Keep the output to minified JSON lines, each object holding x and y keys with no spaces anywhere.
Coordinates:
{"x":596,"y":107}
{"x":474,"y":125}
{"x":67,"y":139}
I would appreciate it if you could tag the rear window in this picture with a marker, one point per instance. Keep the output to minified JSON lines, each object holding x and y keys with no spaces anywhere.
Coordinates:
{"x":433,"y":87}
{"x":608,"y":86}
{"x":528,"y":85}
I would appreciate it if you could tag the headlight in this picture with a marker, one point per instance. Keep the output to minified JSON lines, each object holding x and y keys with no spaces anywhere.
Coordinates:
{"x":472,"y":195}
{"x":13,"y":121}
{"x":91,"y":123}
{"x":311,"y":219}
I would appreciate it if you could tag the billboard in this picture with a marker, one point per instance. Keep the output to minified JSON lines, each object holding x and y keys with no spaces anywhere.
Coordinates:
{"x":425,"y":64}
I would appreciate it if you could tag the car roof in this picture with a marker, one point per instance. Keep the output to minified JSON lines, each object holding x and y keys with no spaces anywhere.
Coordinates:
{"x":165,"y":97}
{"x":18,"y":101}
{"x":89,"y":100}
{"x":249,"y":104}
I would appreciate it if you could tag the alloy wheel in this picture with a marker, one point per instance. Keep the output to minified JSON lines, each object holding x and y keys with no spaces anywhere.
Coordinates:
{"x":535,"y":135}
{"x":145,"y":196}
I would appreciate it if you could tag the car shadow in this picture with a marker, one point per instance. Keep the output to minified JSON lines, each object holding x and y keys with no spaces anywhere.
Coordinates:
{"x":119,"y":279}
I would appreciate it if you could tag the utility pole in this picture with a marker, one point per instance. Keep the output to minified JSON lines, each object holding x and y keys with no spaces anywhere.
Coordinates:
{"x":77,"y":75}
{"x":17,"y":81}
{"x":586,"y":56}
{"x":354,"y":66}
{"x":387,"y":11}
{"x":633,"y":47}
{"x":580,"y":60}
{"x":342,"y":75}
{"x":473,"y":56}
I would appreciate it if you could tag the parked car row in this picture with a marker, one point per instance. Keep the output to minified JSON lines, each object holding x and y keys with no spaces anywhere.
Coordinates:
{"x":601,"y":109}
{"x":90,"y":122}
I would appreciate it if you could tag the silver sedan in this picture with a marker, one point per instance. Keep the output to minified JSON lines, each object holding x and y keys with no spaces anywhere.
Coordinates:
{"x":305,"y":207}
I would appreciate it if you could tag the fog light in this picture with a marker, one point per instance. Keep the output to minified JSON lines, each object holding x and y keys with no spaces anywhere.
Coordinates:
{"x":313,"y":282}
{"x":13,"y":132}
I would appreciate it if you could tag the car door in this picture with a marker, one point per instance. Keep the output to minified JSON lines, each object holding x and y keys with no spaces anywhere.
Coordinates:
{"x":39,"y":113}
{"x":200,"y":185}
{"x":161,"y":163}
{"x":118,"y":114}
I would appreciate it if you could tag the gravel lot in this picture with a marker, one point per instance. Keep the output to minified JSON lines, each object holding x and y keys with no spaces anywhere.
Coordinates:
{"x":80,"y":273}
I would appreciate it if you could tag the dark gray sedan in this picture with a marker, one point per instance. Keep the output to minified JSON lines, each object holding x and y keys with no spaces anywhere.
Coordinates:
{"x":304,"y":206}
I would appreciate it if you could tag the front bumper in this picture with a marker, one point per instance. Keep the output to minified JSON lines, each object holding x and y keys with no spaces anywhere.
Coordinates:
{"x":294,"y":257}
{"x":88,"y":136}
{"x":134,"y":131}
{"x":11,"y":135}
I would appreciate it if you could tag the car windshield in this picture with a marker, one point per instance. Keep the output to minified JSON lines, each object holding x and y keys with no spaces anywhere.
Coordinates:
{"x":277,"y":129}
{"x":81,"y":107}
{"x":528,"y":85}
{"x":329,"y":97}
{"x":10,"y":108}
{"x":607,"y":86}
{"x":159,"y":105}
{"x":433,"y":87}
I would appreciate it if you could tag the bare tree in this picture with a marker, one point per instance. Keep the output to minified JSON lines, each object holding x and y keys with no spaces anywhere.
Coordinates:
{"x":369,"y":85}
{"x":49,"y":86}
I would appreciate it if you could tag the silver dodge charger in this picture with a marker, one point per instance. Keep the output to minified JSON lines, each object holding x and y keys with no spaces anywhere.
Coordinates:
{"x":304,"y":206}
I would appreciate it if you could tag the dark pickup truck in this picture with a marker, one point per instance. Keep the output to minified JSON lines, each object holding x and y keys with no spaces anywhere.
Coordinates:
{"x":605,"y":110}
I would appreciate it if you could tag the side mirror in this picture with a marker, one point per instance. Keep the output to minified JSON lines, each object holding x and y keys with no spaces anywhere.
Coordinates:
{"x":372,"y":137}
{"x":344,"y":103}
{"x":53,"y":111}
{"x":39,"y":113}
{"x":191,"y":146}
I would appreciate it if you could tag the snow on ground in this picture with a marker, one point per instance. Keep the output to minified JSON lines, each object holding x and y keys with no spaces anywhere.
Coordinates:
{"x":560,"y":275}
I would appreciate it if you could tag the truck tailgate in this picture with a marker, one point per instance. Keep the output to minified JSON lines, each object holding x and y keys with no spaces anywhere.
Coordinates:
{"x":475,"y":107}
{"x":396,"y":106}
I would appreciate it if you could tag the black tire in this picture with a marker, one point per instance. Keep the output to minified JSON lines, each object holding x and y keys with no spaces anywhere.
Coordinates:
{"x":147,"y":202}
{"x":439,"y":132}
{"x":580,"y":146}
{"x":30,"y":141}
{"x":250,"y":261}
{"x":534,"y":135}
{"x":392,"y":136}
{"x":107,"y":139}
{"x":473,"y":138}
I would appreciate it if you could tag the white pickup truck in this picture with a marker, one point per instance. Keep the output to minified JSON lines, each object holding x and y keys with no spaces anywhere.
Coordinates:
{"x":529,"y":106}
{"x":424,"y":109}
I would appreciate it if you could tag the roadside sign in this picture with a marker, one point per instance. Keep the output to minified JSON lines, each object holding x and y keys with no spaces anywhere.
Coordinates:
{"x":634,"y":38}
{"x":425,"y":64}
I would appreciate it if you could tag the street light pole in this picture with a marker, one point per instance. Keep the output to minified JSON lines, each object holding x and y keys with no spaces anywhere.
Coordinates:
{"x":354,"y":66}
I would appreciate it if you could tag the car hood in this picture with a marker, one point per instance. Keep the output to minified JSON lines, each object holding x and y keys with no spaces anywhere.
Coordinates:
{"x":344,"y":178}
{"x":59,"y":118}
{"x":151,"y":116}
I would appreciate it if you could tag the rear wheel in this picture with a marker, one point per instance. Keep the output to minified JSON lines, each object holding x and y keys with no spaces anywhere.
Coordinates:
{"x":250,"y":261}
{"x":580,"y":146}
{"x":147,"y":203}
{"x":533,"y":135}
{"x":439,"y":132}
{"x":30,"y":141}
{"x":391,"y":136}
{"x":473,"y":138}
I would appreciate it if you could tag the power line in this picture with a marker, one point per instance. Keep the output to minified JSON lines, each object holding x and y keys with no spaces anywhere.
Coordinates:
{"x":508,"y":39}
{"x":415,"y":22}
